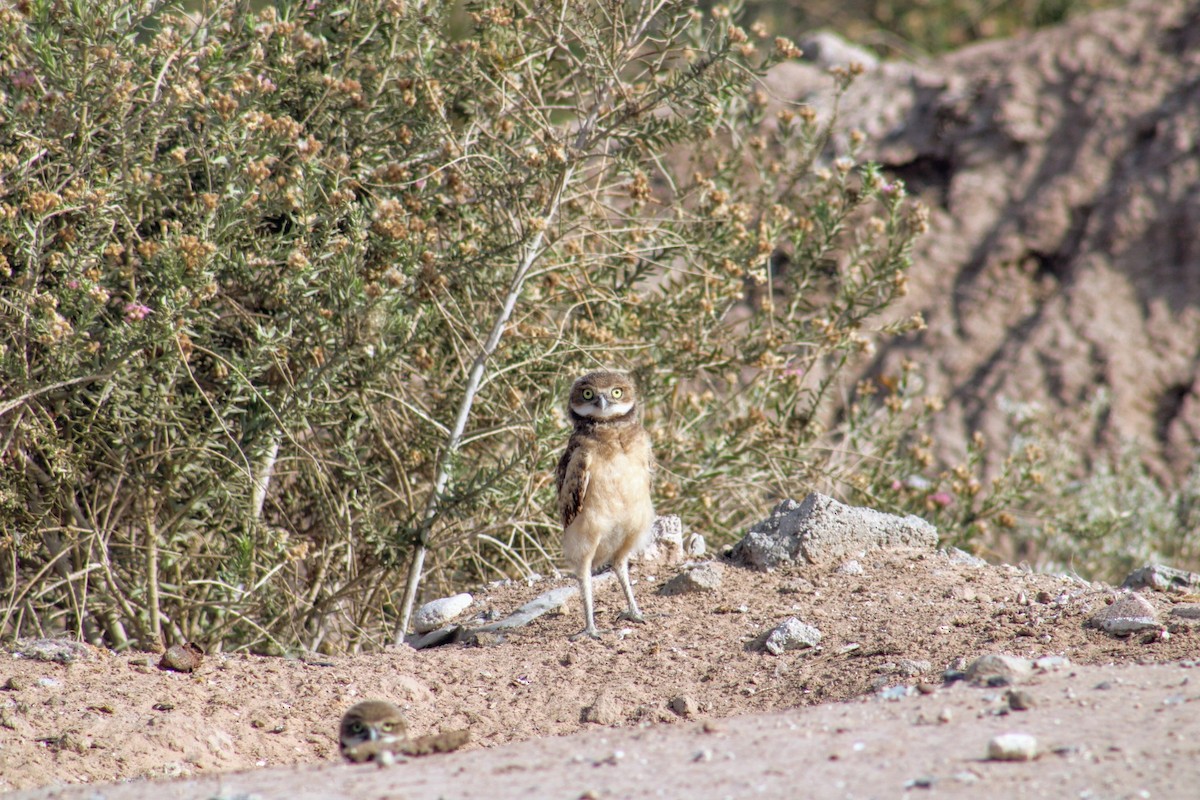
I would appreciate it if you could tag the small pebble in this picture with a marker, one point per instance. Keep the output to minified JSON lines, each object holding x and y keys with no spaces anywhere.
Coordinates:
{"x":1019,"y":700}
{"x":1012,"y":747}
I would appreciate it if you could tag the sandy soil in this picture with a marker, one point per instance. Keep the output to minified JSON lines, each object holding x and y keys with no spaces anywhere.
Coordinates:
{"x":685,"y":705}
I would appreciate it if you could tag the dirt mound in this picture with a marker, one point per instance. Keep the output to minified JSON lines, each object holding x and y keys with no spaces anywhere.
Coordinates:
{"x":1062,"y":263}
{"x":886,"y":620}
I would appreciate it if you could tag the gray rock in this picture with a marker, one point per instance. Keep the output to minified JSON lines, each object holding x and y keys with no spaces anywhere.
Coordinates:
{"x":684,"y":706}
{"x":821,"y":530}
{"x":999,"y":668}
{"x":1164,"y":579}
{"x":437,"y":613}
{"x":851,"y":567}
{"x":956,"y":556}
{"x":1129,"y":613}
{"x":1012,"y":747}
{"x":791,"y":634}
{"x":63,"y":651}
{"x":694,"y":546}
{"x":704,"y":577}
{"x":1186,"y":611}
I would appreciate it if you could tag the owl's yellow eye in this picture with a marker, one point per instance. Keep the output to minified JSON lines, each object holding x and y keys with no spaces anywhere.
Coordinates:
{"x":616,"y":394}
{"x":388,"y":726}
{"x":357,"y":727}
{"x":588,"y":394}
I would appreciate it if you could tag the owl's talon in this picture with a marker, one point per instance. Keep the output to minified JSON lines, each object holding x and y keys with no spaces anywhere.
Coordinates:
{"x":632,"y":616}
{"x":590,"y":633}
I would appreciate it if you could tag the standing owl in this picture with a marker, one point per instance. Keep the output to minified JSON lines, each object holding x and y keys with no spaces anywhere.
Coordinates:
{"x":603,"y":482}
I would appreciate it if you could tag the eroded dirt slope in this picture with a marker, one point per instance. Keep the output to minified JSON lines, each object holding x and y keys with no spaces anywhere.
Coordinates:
{"x":902,"y":621}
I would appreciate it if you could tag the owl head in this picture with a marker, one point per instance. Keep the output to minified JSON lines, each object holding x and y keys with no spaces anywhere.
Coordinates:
{"x":371,"y":721}
{"x":602,"y":395}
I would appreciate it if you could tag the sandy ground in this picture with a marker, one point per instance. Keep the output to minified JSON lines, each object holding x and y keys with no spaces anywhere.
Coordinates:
{"x":687,"y":705}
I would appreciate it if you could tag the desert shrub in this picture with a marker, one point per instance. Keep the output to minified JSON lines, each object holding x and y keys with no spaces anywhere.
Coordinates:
{"x":291,"y":298}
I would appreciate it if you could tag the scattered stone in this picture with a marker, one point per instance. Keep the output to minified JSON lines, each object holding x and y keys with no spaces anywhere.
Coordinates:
{"x":791,"y":634}
{"x":911,"y":668}
{"x":1008,"y":669}
{"x":684,"y":706}
{"x":850,"y":567}
{"x":62,"y":651}
{"x":821,"y":530}
{"x":1051,"y":663}
{"x":1020,"y":700}
{"x":956,"y":556}
{"x":1162,"y":578}
{"x":182,"y":658}
{"x":704,"y":577}
{"x":694,"y":546}
{"x":1012,"y":747}
{"x":605,"y":710}
{"x":437,"y":613}
{"x":1187,"y":611}
{"x":1129,"y":613}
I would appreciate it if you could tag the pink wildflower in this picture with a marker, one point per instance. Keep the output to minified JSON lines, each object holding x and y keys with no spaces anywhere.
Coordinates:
{"x":941,"y":498}
{"x":136,"y":312}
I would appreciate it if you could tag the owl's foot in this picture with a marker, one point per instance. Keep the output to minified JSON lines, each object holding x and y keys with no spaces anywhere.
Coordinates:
{"x":632,"y":616}
{"x":589,"y":632}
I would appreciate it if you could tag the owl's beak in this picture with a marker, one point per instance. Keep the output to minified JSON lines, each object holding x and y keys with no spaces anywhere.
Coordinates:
{"x":602,"y":402}
{"x":374,"y":734}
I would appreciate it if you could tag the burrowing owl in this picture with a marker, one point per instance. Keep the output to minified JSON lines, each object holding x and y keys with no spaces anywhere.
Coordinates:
{"x":370,"y":728}
{"x":375,"y":730}
{"x":604,"y":485}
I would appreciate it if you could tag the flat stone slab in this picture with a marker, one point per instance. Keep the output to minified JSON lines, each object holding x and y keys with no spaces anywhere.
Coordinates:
{"x":820,"y":530}
{"x":543,"y":603}
{"x":1162,"y":578}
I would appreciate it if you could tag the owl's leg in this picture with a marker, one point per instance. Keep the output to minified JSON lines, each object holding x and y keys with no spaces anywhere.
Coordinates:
{"x":633,"y":614}
{"x":585,"y":588}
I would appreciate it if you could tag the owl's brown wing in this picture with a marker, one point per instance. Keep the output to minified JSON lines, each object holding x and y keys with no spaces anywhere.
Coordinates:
{"x":572,"y":480}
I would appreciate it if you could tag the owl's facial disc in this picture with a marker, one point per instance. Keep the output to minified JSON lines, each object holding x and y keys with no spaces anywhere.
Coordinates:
{"x":602,"y":408}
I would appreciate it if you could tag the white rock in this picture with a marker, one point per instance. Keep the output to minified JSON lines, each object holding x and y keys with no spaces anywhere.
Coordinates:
{"x":666,"y":542}
{"x":436,"y":613}
{"x":1012,"y":747}
{"x":792,"y":634}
